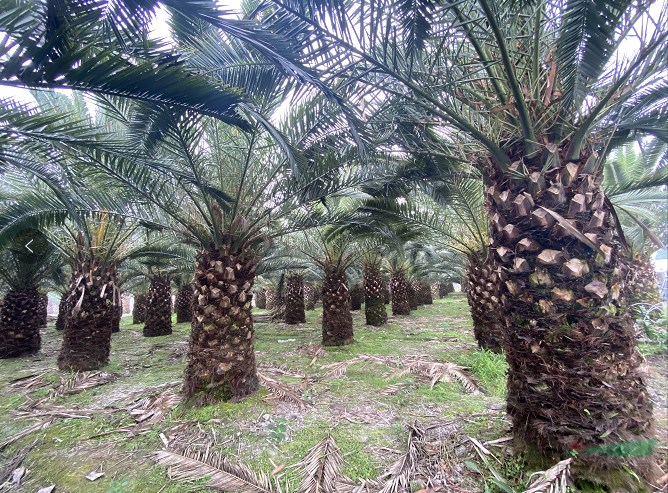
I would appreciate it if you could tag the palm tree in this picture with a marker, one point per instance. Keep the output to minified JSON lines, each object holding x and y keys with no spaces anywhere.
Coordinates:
{"x":399,"y":286}
{"x":337,"y":322}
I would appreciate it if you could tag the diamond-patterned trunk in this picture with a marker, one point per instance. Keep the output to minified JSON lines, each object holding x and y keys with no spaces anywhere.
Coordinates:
{"x":640,"y":283}
{"x":483,"y":296}
{"x":356,"y":297}
{"x":260,"y":297}
{"x":294,"y":299}
{"x":158,"y":307}
{"x":337,"y":321}
{"x":87,"y":334}
{"x":374,"y":303}
{"x":62,"y":311}
{"x":400,"y":302}
{"x":423,"y":293}
{"x":183,"y":304}
{"x":310,"y":296}
{"x":445,"y":289}
{"x":19,"y":323}
{"x":43,"y":309}
{"x":139,"y":309}
{"x":221,"y":358}
{"x":573,"y":380}
{"x":271,"y":298}
{"x":412,"y":298}
{"x":115,"y":314}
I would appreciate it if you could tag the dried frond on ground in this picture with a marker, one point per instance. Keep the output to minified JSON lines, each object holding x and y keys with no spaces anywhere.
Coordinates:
{"x":438,"y":371}
{"x":29,"y":382}
{"x":218,"y":471}
{"x":312,"y":350}
{"x":282,"y":391}
{"x":400,"y":473}
{"x":149,"y":411}
{"x":433,"y":371}
{"x":81,"y":381}
{"x":321,"y":468}
{"x":36,"y":427}
{"x":554,"y":480}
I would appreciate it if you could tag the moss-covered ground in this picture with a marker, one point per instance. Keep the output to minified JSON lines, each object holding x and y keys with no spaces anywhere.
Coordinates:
{"x":367,"y":421}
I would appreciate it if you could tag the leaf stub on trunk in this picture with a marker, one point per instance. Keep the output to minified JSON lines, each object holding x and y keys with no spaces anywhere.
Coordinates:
{"x":221,"y":357}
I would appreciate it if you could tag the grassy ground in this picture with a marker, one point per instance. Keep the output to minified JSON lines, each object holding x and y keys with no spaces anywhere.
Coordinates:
{"x":367,"y":421}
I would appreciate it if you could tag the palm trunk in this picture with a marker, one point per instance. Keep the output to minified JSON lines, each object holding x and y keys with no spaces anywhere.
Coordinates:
{"x":424,"y":293}
{"x":400,"y":302}
{"x":260,"y":297}
{"x":221,"y":359}
{"x":310,"y":296}
{"x":19,"y":323}
{"x":482,"y":294}
{"x":115,"y":314}
{"x":435,"y":290}
{"x":573,"y":378}
{"x":337,"y":322}
{"x":412,"y":299}
{"x":387,"y":296}
{"x":271,"y":298}
{"x":294,"y":299}
{"x":158,"y":307}
{"x":139,"y":309}
{"x":183,"y":304}
{"x":445,"y":289}
{"x":87,"y":334}
{"x":43,"y":309}
{"x":356,"y":297}
{"x":641,"y":286}
{"x":374,"y":303}
{"x":62,"y":311}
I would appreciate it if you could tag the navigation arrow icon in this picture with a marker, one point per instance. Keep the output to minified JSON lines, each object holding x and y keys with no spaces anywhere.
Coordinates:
{"x":29,"y":249}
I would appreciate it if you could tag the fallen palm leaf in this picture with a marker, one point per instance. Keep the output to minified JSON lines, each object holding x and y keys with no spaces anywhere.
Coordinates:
{"x":401,"y":472}
{"x":320,"y":468}
{"x":282,"y":391}
{"x":396,"y":388}
{"x":149,"y":411}
{"x":434,"y":371}
{"x":219,"y":472}
{"x":554,"y":480}
{"x":28,"y":382}
{"x":37,"y":426}
{"x":81,"y":381}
